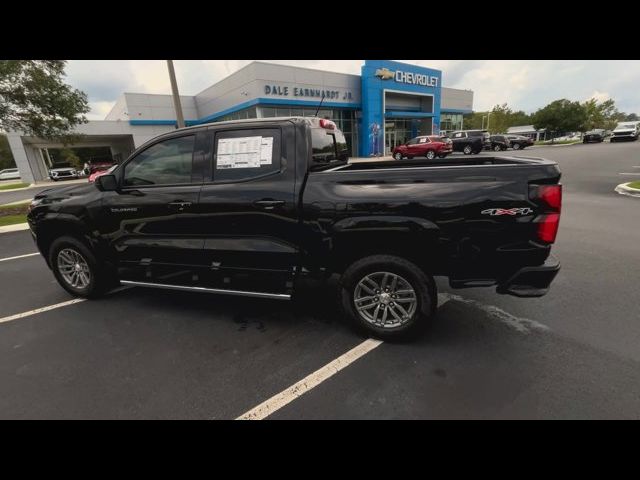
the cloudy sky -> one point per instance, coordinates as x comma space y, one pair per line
523, 84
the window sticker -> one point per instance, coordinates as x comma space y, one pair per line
266, 151
244, 152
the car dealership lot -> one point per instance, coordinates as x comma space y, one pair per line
156, 354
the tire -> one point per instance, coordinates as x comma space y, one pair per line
516, 146
497, 148
406, 318
94, 282
397, 156
431, 155
612, 140
467, 150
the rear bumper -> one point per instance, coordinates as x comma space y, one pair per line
531, 281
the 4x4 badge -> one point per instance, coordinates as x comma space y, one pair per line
507, 211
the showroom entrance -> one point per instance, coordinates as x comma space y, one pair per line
398, 131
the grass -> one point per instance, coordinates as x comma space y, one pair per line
12, 214
634, 185
11, 186
12, 220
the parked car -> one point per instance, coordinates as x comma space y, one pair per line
470, 141
499, 143
9, 174
429, 146
625, 131
595, 135
518, 142
97, 173
249, 207
60, 171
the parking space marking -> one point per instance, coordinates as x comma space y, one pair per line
18, 316
309, 382
298, 389
19, 256
29, 313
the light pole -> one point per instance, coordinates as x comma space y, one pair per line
176, 96
488, 118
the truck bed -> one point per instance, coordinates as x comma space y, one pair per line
445, 162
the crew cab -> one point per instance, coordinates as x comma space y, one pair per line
249, 207
625, 131
470, 141
429, 146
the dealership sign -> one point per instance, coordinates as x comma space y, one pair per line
407, 77
286, 91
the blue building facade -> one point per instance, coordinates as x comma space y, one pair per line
399, 100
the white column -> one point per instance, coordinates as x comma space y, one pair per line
20, 156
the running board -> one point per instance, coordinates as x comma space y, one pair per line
242, 293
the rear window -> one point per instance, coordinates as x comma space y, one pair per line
327, 147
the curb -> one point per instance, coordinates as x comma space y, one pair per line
14, 228
623, 189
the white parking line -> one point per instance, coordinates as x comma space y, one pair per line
18, 316
309, 382
29, 313
19, 256
634, 174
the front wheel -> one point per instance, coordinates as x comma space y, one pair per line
431, 155
516, 146
76, 268
497, 148
397, 156
387, 296
467, 150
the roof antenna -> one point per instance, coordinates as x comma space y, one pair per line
318, 109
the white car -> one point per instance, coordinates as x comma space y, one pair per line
9, 174
626, 131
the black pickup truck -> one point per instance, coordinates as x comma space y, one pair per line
249, 207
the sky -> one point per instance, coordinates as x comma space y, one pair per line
522, 84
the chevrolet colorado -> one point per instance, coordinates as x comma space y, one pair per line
248, 207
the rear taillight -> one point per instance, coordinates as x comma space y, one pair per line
328, 124
548, 227
549, 197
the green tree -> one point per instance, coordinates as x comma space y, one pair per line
600, 115
35, 100
473, 121
6, 157
560, 116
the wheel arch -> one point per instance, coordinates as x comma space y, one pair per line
412, 238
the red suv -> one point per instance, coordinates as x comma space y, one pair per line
428, 146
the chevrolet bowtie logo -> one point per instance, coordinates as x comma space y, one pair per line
384, 73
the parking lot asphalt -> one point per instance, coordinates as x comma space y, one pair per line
141, 353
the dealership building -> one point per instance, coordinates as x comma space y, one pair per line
388, 104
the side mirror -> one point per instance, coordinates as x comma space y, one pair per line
107, 183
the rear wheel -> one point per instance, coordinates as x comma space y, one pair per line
516, 146
387, 296
431, 155
77, 270
497, 148
397, 156
467, 150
